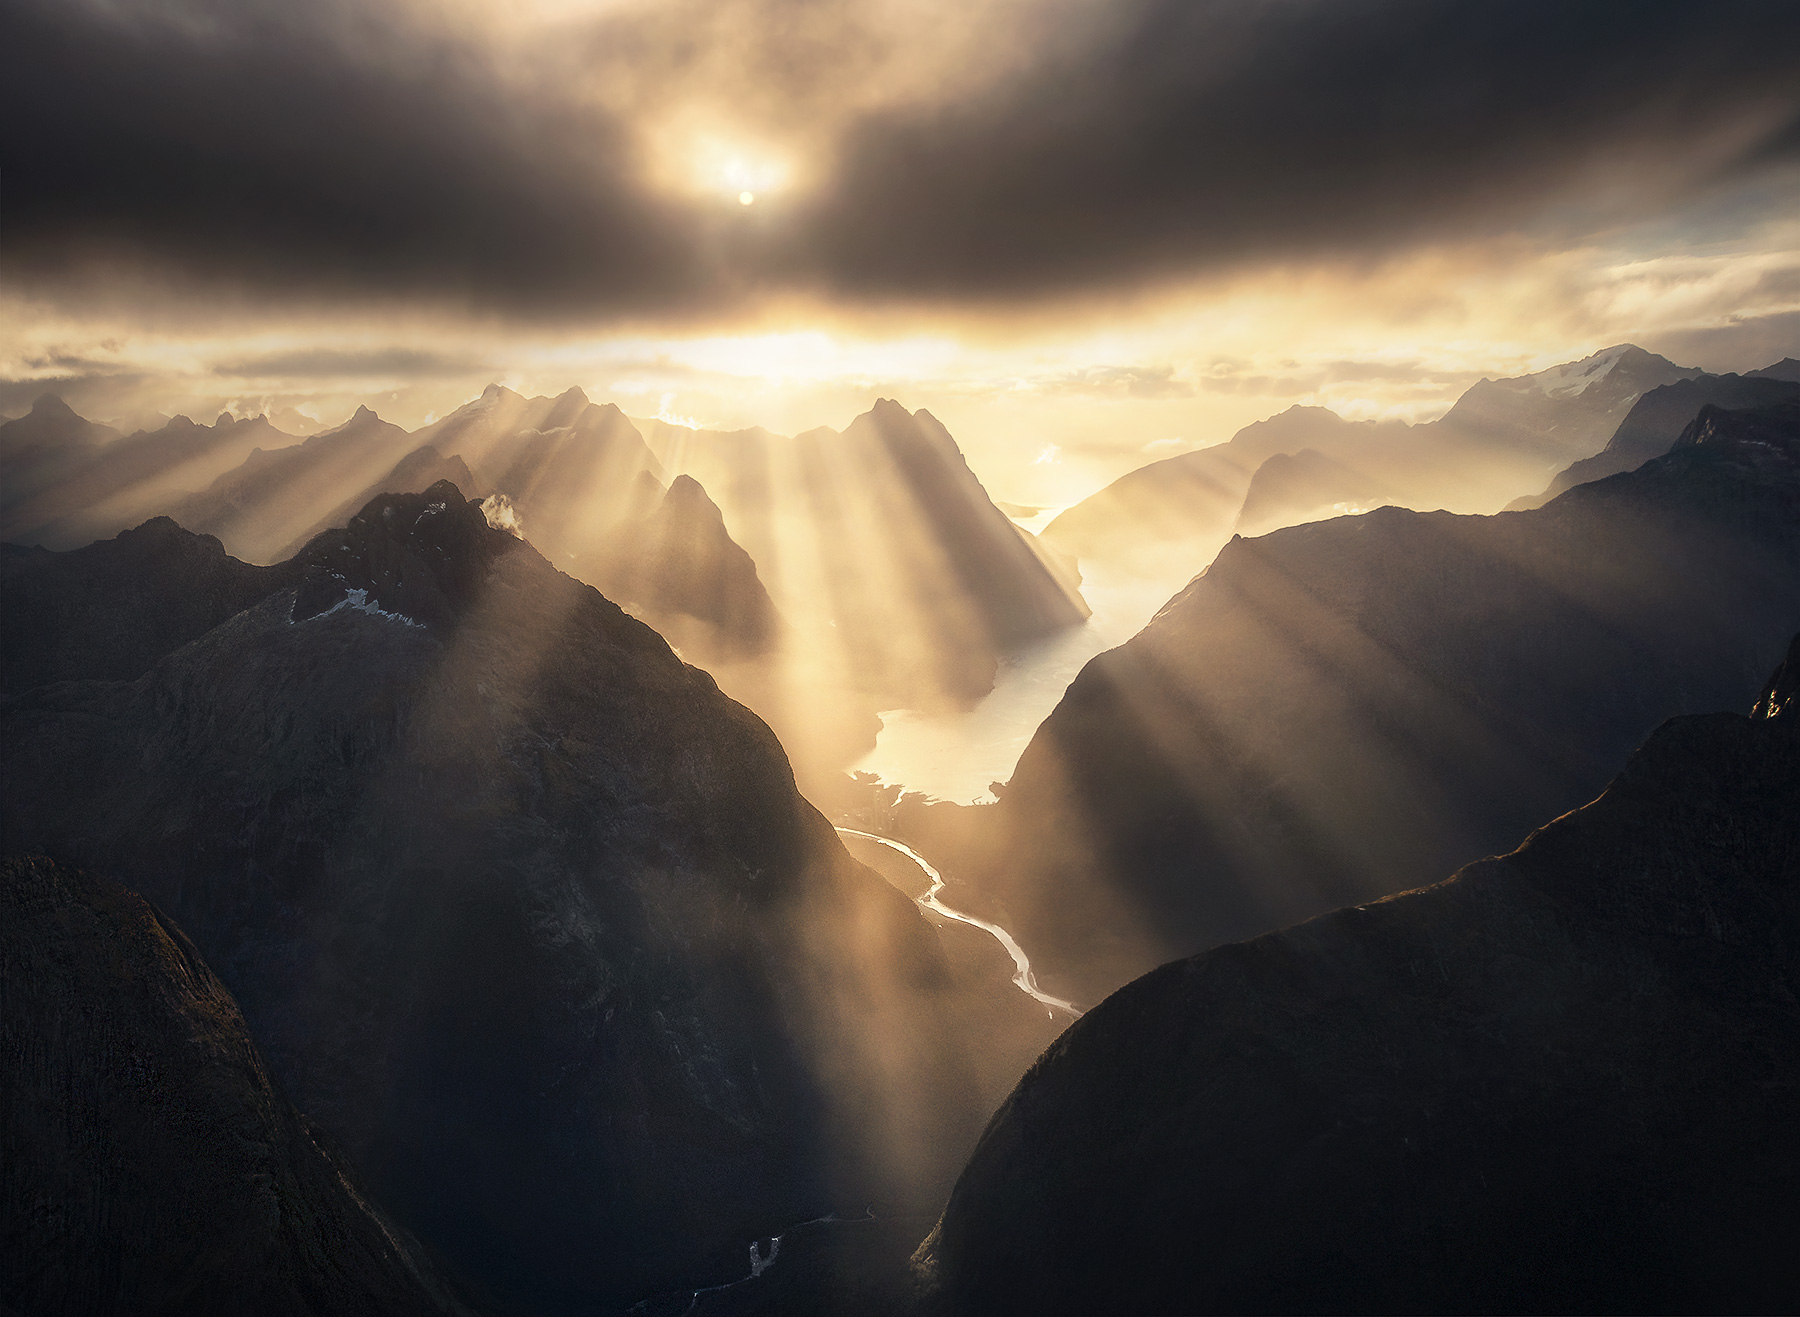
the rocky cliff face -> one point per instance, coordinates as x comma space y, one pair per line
521, 910
151, 1165
1657, 419
1350, 708
1561, 1081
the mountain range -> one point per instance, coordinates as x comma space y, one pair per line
1340, 710
890, 580
1501, 440
413, 900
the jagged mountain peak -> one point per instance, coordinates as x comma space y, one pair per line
412, 558
50, 405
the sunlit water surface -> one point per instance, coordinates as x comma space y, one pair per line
957, 756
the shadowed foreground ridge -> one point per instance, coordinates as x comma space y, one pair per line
1564, 1080
520, 909
149, 1164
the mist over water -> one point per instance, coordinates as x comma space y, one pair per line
958, 756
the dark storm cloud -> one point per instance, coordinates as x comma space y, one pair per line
332, 363
1200, 133
320, 149
314, 148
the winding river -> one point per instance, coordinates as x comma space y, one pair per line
1022, 975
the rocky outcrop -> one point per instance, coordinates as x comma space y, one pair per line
151, 1165
520, 909
1345, 709
1562, 1081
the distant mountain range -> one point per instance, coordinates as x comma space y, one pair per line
1502, 439
520, 910
1341, 710
1562, 1081
899, 583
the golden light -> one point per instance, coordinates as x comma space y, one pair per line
745, 198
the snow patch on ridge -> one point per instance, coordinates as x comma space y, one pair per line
359, 601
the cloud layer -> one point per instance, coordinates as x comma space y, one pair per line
331, 149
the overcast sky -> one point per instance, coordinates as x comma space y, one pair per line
1081, 232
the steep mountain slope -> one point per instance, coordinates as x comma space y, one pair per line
521, 910
1168, 519
1562, 1081
1345, 709
679, 566
261, 506
882, 548
1656, 421
112, 609
150, 1164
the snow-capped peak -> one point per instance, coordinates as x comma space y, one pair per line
1572, 378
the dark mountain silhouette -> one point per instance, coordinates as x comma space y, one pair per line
679, 567
524, 913
1562, 1081
42, 447
1171, 517
413, 474
1345, 709
150, 1165
259, 507
111, 610
128, 480
1656, 421
585, 489
1785, 369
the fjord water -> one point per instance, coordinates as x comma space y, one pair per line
957, 755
